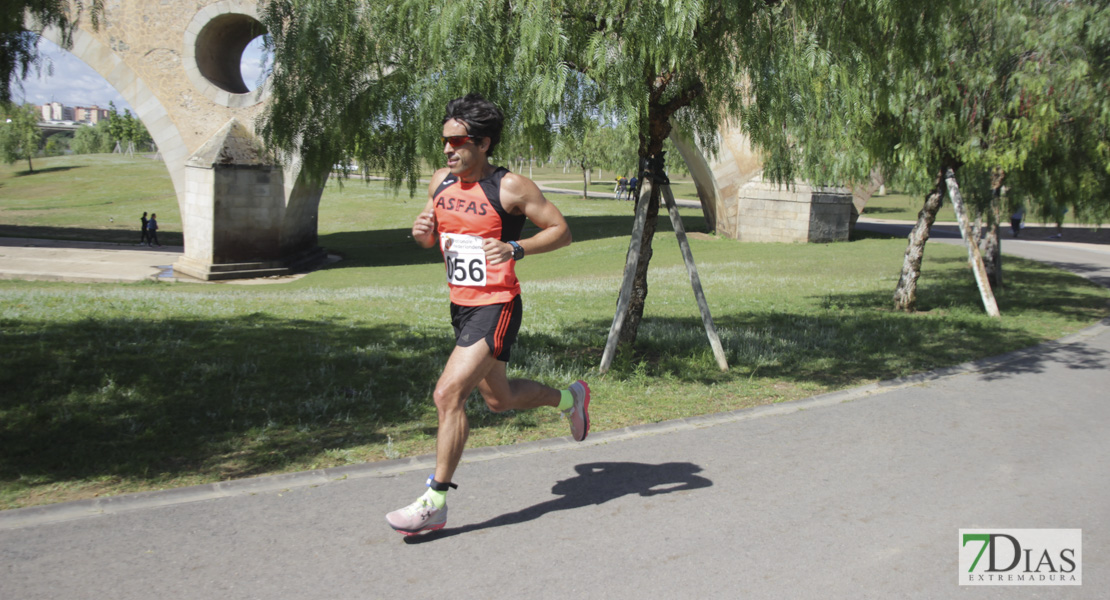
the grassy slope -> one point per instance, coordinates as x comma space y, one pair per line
88, 197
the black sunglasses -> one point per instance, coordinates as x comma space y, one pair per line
458, 140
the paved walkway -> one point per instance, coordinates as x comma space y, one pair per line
100, 262
60, 260
1088, 258
856, 494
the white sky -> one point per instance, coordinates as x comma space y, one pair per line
74, 83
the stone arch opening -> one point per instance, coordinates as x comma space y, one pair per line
167, 137
219, 50
256, 59
242, 215
212, 52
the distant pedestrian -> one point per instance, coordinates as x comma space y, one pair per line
144, 237
622, 186
1059, 215
632, 183
1016, 219
152, 230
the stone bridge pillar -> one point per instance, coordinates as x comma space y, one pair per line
739, 204
177, 63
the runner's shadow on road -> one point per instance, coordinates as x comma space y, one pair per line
596, 483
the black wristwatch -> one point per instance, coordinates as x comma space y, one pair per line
518, 252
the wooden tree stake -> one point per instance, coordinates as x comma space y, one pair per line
973, 255
633, 260
695, 281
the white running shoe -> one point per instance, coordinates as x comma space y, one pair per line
419, 517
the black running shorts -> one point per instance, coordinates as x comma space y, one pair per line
498, 324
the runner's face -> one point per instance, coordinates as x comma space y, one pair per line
468, 160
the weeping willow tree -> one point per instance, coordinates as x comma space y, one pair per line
1006, 90
1071, 167
365, 82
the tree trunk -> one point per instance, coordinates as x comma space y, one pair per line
640, 281
627, 326
585, 182
973, 257
977, 228
30, 167
905, 295
992, 256
992, 245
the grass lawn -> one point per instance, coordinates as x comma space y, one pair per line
682, 186
97, 197
112, 388
897, 206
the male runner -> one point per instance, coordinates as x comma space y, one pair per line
475, 213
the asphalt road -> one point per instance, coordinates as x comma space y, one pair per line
856, 494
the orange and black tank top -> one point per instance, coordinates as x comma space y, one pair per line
466, 212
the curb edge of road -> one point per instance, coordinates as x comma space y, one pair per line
80, 509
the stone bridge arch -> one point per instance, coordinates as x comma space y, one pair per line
177, 65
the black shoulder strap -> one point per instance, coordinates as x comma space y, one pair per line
511, 225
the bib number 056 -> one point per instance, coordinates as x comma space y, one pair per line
465, 259
461, 271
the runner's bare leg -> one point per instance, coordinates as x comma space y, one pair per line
467, 368
501, 393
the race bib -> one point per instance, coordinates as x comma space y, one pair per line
466, 261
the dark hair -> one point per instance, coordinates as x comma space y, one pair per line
481, 117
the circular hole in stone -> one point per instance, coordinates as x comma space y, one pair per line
254, 63
220, 49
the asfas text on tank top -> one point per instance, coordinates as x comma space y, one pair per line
465, 214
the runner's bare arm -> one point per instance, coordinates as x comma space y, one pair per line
520, 195
424, 228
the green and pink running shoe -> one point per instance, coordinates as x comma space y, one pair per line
579, 413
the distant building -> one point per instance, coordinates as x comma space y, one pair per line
59, 112
90, 114
56, 111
